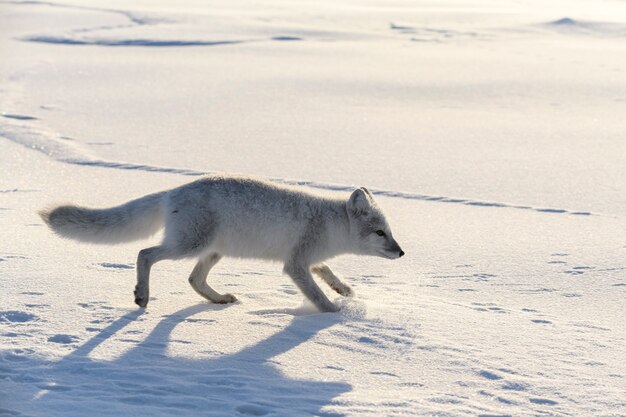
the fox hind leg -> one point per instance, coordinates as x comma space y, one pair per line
146, 258
326, 274
198, 276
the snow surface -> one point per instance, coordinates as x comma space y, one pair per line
491, 131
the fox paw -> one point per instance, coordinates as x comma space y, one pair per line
141, 299
226, 299
344, 290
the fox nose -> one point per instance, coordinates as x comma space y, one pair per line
401, 254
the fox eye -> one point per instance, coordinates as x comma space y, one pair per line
380, 233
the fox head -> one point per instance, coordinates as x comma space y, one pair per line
369, 230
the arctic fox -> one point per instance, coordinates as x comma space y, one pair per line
243, 217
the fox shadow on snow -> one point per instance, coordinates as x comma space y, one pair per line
242, 383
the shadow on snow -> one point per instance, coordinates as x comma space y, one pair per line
146, 381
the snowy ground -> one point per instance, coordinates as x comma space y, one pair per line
492, 132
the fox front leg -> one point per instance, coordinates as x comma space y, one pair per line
304, 280
325, 273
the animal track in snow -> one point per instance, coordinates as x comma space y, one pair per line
489, 375
204, 321
14, 316
53, 148
489, 307
430, 34
64, 339
36, 305
542, 401
95, 305
571, 295
9, 257
31, 293
514, 386
483, 276
383, 373
537, 290
116, 265
18, 116
590, 326
579, 270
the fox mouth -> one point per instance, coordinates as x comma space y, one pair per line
385, 254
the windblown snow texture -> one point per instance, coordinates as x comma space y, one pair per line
509, 300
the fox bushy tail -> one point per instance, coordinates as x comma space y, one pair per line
134, 220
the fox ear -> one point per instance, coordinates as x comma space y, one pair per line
359, 202
366, 191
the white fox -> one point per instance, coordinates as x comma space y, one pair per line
243, 217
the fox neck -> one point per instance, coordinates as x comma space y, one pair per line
339, 238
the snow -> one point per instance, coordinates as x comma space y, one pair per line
491, 133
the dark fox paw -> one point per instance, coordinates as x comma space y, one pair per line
141, 300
